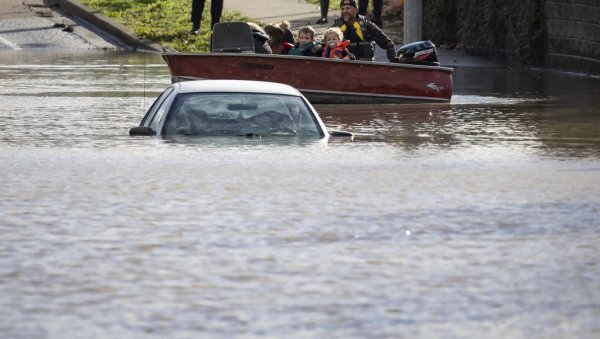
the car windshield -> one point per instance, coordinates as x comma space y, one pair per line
240, 114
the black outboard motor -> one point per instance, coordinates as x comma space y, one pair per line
418, 53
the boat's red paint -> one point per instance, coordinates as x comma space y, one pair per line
321, 80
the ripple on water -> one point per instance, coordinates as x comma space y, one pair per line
469, 219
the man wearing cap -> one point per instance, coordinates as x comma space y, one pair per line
362, 33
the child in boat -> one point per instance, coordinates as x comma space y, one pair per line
335, 47
306, 44
276, 39
288, 36
261, 39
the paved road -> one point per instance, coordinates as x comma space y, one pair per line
31, 24
299, 13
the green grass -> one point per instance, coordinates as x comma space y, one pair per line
166, 22
333, 4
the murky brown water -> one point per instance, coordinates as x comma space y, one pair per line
476, 218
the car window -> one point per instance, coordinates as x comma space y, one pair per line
240, 114
149, 117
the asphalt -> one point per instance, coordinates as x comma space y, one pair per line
300, 13
62, 24
69, 24
297, 12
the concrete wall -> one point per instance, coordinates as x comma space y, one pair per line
572, 35
557, 34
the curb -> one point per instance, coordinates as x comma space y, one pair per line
74, 8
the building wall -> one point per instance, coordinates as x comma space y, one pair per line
557, 34
572, 35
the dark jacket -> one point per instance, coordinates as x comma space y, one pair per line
261, 43
288, 36
364, 48
305, 50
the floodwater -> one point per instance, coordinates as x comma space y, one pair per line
478, 218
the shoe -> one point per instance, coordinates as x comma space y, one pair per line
195, 30
322, 21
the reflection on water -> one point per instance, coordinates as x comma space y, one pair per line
469, 219
546, 127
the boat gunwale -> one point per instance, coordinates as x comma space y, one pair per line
316, 59
394, 97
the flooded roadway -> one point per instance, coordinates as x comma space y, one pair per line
476, 218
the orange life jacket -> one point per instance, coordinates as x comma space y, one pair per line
339, 52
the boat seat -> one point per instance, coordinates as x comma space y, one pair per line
232, 37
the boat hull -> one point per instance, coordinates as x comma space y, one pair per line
322, 81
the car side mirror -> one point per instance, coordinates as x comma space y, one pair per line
341, 134
141, 130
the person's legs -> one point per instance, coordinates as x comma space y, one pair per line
216, 10
324, 11
362, 7
377, 6
197, 9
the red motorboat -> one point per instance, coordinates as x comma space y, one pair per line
321, 80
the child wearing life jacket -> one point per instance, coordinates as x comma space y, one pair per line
335, 47
305, 43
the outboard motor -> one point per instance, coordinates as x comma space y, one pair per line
418, 53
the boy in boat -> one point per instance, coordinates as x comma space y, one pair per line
306, 44
363, 34
335, 45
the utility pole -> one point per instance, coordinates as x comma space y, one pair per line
413, 12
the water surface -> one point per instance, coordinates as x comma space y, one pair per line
469, 219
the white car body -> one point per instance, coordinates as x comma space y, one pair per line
231, 103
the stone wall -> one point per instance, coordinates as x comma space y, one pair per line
508, 30
572, 35
558, 34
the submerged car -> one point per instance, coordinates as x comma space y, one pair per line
232, 108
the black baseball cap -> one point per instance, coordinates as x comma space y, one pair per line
348, 3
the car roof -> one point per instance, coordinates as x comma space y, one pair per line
237, 86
